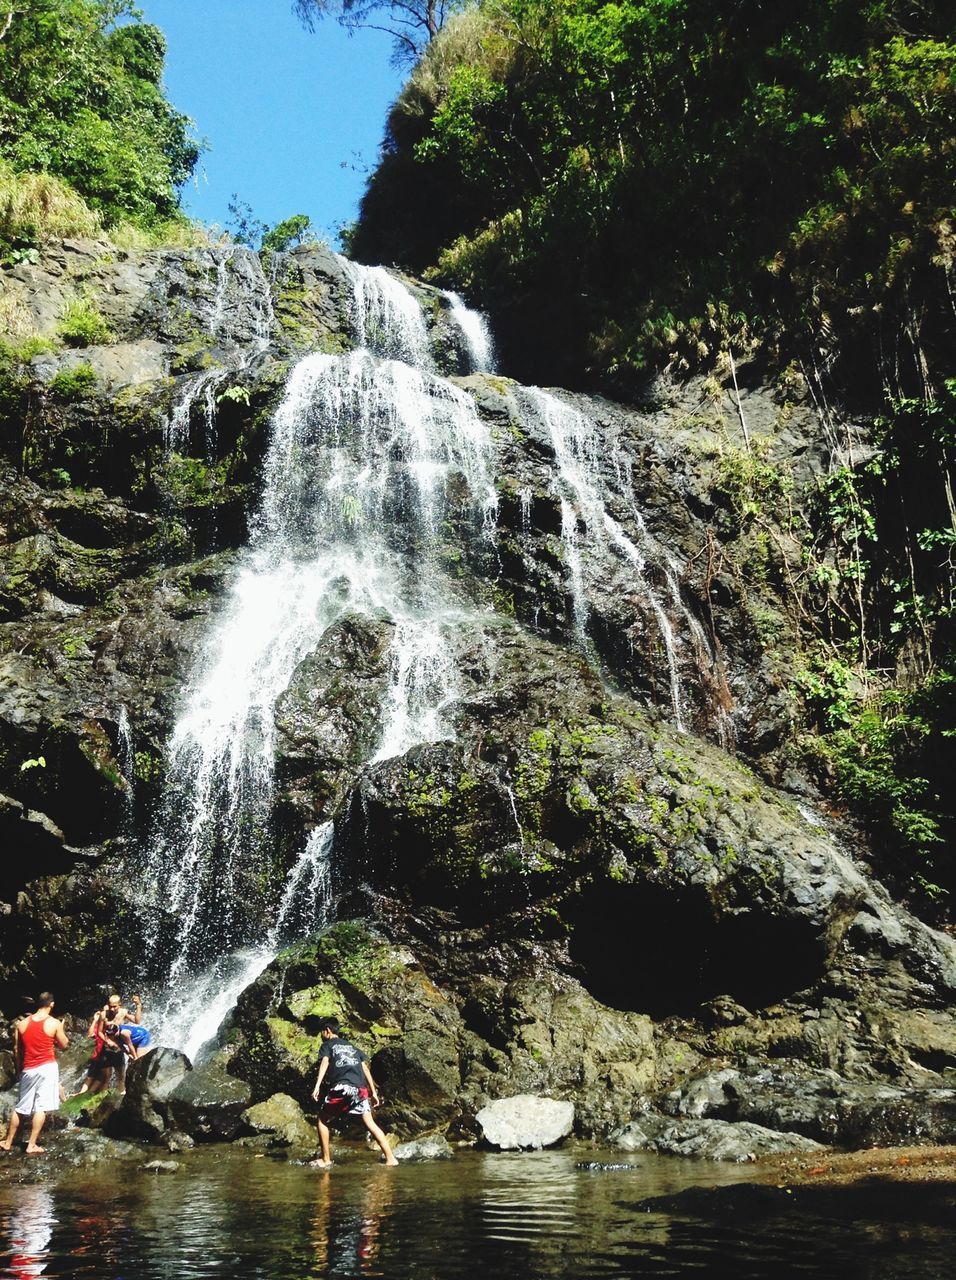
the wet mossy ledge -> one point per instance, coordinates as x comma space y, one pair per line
574, 897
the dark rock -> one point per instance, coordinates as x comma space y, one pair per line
150, 1083
708, 1139
208, 1104
823, 1106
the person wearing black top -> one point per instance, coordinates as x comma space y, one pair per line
347, 1090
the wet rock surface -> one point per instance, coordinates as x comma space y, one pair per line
822, 1105
434, 1147
708, 1139
278, 1122
574, 897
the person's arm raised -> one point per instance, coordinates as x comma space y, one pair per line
62, 1039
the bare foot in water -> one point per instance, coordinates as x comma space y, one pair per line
35, 1151
5, 1146
320, 1164
391, 1163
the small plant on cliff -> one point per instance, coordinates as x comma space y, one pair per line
287, 234
238, 395
75, 383
82, 325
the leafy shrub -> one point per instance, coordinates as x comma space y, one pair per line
891, 756
81, 99
74, 383
81, 324
288, 233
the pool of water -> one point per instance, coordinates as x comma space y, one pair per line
226, 1213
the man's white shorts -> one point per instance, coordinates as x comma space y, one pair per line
39, 1089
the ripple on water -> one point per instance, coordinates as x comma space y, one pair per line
520, 1217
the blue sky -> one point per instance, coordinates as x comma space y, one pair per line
281, 108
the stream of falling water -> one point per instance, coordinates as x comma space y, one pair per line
354, 501
247, 282
582, 491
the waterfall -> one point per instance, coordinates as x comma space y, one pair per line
475, 331
580, 485
194, 1012
371, 460
252, 293
362, 449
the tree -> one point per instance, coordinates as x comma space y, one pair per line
411, 23
81, 98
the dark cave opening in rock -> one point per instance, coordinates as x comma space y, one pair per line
655, 951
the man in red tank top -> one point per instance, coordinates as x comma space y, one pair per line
38, 1092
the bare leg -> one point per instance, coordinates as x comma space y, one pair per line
326, 1158
379, 1137
39, 1117
7, 1143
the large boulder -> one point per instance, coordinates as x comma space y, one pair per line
150, 1081
278, 1122
166, 1095
208, 1104
707, 1139
525, 1123
407, 1026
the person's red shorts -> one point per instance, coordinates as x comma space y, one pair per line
345, 1100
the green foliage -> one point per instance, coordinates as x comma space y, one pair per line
22, 352
288, 233
82, 100
749, 483
81, 324
74, 384
891, 756
193, 482
670, 178
237, 394
245, 228
352, 513
38, 762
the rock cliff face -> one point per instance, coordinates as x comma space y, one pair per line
599, 875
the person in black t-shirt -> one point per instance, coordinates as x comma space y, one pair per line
347, 1090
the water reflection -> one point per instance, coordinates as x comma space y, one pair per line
348, 1235
537, 1217
28, 1230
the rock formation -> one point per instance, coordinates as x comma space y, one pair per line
598, 877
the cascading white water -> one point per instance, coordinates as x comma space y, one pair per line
354, 495
476, 332
387, 315
582, 490
196, 1006
371, 455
